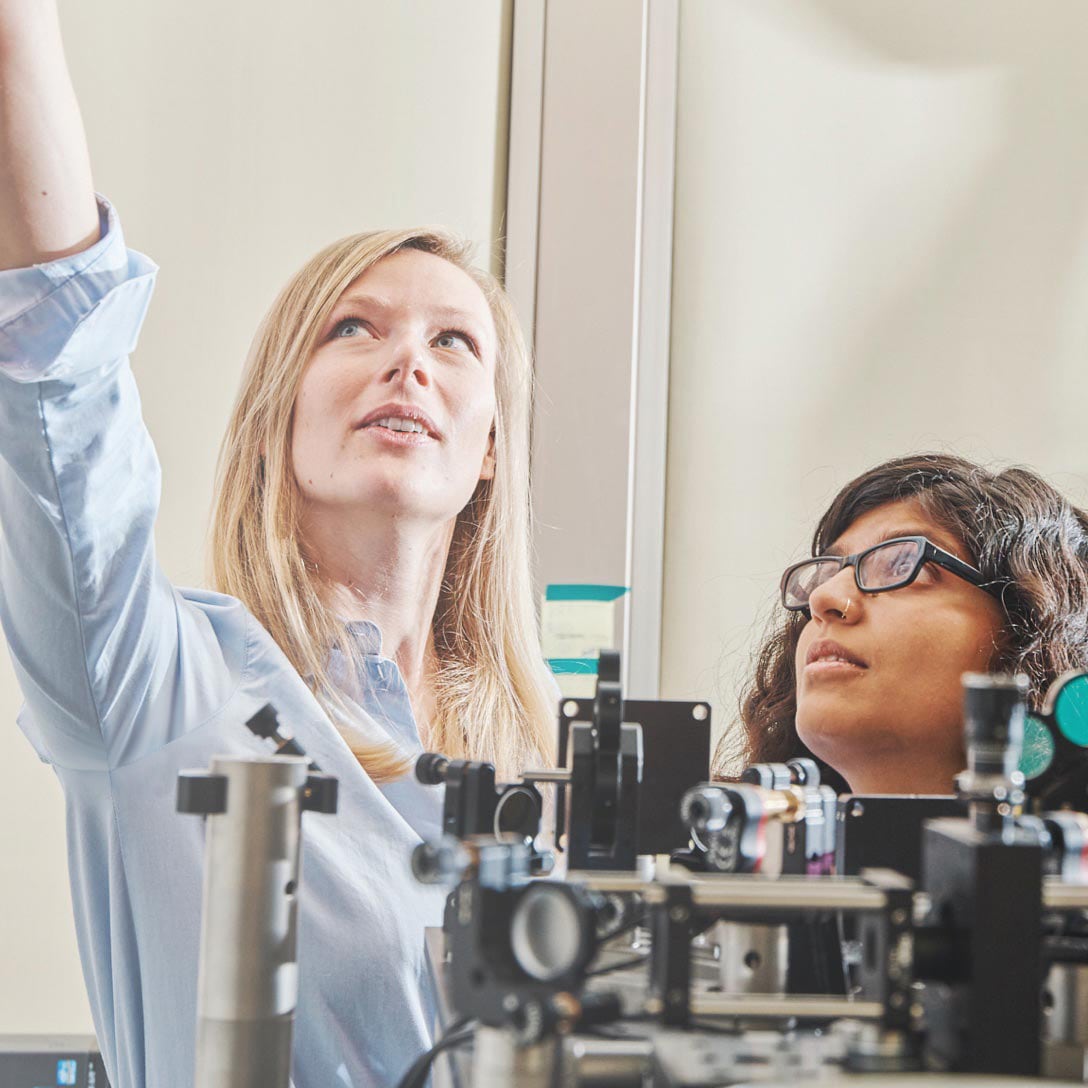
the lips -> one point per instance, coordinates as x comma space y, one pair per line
400, 411
827, 651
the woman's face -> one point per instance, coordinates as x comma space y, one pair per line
395, 409
879, 693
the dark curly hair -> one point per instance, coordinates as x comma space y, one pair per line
1018, 530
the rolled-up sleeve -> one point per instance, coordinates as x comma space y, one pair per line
62, 318
95, 630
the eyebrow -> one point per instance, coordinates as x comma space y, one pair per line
362, 300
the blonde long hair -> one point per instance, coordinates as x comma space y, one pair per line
492, 695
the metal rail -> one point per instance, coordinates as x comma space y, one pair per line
797, 1006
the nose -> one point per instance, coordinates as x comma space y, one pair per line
838, 598
409, 363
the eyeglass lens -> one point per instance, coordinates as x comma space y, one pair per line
888, 565
804, 581
885, 566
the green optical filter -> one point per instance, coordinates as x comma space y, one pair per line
1071, 710
1038, 753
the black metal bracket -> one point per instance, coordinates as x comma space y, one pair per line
321, 793
670, 955
201, 793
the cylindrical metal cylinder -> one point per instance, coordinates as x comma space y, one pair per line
248, 979
771, 776
994, 707
559, 775
1067, 1012
705, 808
1060, 896
993, 727
785, 1007
607, 1063
498, 1061
753, 959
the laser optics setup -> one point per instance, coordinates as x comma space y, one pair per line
675, 932
784, 932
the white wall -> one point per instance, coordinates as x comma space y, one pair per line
236, 139
881, 245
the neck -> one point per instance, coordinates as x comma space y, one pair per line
388, 571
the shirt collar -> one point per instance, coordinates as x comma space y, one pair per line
367, 635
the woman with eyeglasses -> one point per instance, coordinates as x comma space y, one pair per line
922, 569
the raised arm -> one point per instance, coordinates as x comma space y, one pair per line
47, 207
112, 660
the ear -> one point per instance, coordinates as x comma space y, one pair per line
487, 469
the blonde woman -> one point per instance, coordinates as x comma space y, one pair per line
370, 548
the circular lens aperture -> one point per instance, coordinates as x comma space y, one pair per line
548, 932
1038, 752
1071, 710
517, 814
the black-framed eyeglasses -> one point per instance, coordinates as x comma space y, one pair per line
891, 564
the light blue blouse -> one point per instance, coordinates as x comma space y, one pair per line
128, 680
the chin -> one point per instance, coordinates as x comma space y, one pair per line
831, 713
831, 737
399, 495
396, 495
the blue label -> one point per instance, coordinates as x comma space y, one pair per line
66, 1071
585, 666
583, 592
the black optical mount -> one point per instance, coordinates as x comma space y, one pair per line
519, 948
475, 805
606, 773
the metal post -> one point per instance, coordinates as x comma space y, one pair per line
753, 958
248, 979
500, 1061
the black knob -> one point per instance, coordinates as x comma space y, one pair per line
431, 768
705, 808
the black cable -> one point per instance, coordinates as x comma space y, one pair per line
712, 1028
607, 1031
621, 965
627, 927
416, 1076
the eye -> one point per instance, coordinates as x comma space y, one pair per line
348, 328
901, 563
887, 565
454, 340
